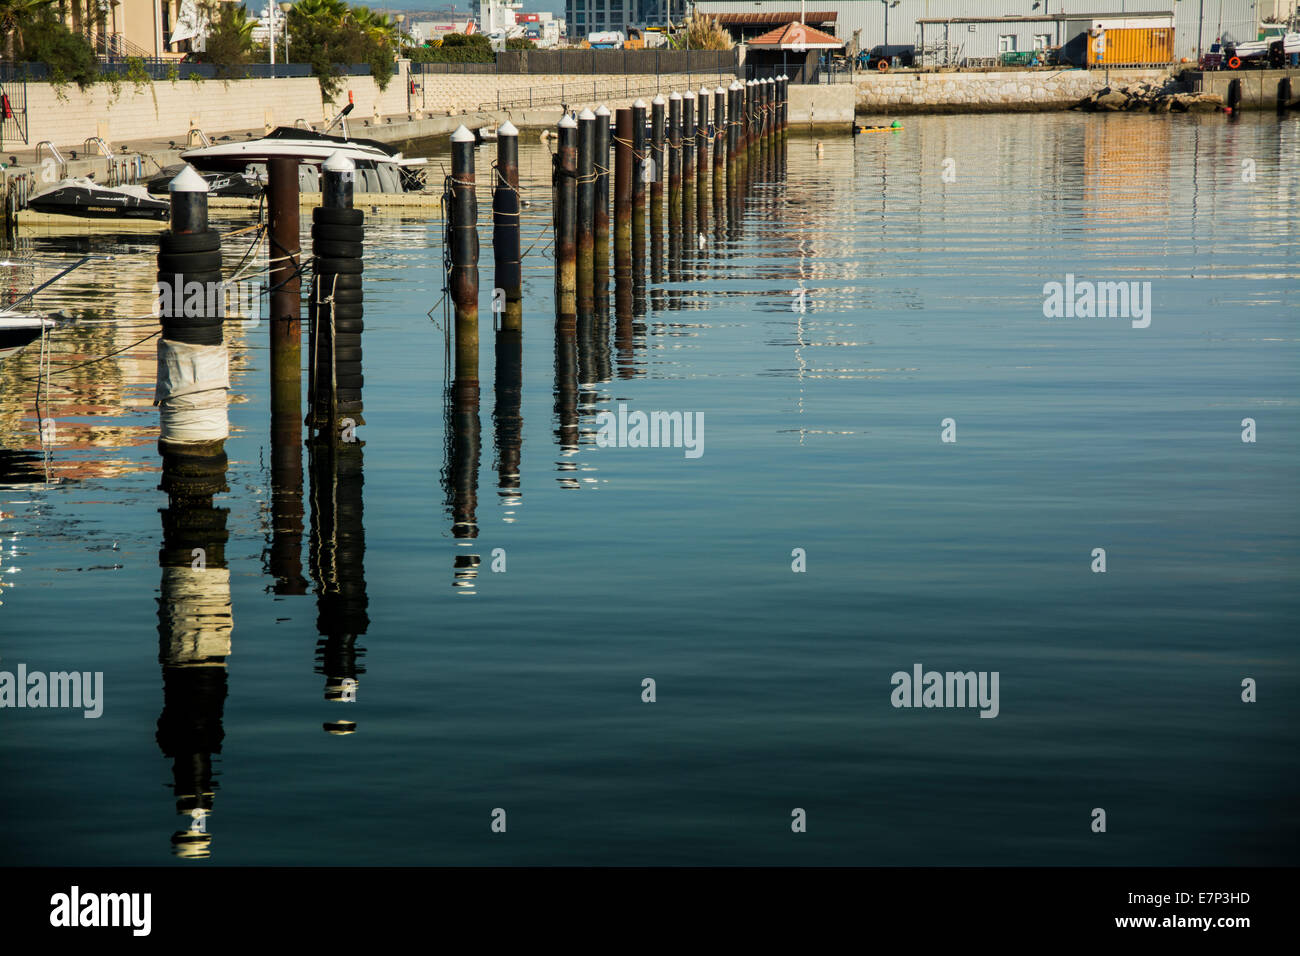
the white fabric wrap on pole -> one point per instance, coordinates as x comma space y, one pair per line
191, 395
196, 621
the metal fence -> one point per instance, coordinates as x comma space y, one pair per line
594, 62
590, 92
801, 72
13, 106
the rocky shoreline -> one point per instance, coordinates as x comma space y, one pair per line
1171, 97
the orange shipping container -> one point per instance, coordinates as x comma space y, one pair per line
1135, 46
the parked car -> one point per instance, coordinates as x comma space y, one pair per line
903, 53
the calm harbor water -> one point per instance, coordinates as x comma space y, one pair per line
922, 300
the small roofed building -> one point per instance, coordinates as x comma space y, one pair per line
744, 27
794, 50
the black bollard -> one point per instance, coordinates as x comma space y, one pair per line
505, 221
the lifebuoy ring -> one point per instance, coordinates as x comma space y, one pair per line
1234, 63
882, 65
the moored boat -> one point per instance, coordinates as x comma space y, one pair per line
19, 329
86, 199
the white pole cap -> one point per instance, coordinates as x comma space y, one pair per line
507, 129
675, 95
586, 114
688, 95
602, 110
659, 100
568, 122
462, 135
639, 105
188, 181
338, 163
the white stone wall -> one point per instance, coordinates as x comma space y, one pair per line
1009, 91
163, 110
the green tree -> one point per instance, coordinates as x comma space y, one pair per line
15, 17
44, 39
229, 43
330, 35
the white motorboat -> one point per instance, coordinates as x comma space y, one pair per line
19, 329
1254, 48
380, 167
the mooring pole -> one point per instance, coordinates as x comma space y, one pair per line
623, 122
286, 293
464, 256
335, 306
733, 121
702, 136
566, 217
639, 156
505, 225
657, 107
601, 229
688, 138
719, 128
586, 210
674, 146
751, 114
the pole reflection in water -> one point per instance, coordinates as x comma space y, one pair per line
337, 559
566, 398
194, 630
460, 477
507, 418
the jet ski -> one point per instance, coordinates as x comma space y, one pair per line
247, 185
86, 199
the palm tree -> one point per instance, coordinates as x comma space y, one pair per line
14, 15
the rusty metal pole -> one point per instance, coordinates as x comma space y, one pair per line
286, 294
719, 129
639, 156
688, 139
674, 146
657, 149
566, 217
623, 169
702, 136
464, 256
601, 228
586, 210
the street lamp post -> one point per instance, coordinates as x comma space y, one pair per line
285, 8
888, 4
399, 19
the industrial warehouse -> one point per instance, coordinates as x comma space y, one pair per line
962, 33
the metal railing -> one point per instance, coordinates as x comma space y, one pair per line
52, 154
594, 63
97, 142
594, 91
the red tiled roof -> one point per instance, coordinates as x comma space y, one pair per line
797, 35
